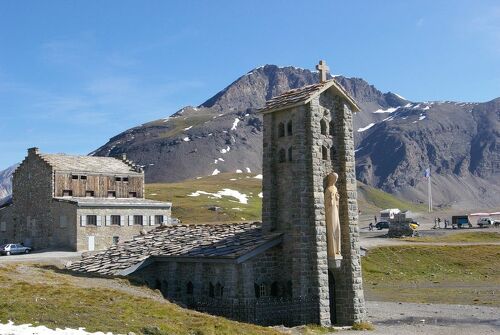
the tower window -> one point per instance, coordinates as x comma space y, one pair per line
332, 132
281, 129
189, 288
324, 153
289, 128
282, 156
324, 127
263, 290
290, 154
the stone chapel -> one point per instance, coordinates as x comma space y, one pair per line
279, 271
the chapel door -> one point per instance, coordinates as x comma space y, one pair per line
331, 290
91, 240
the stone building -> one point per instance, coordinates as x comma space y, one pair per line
277, 272
77, 203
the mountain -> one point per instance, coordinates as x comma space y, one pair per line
6, 183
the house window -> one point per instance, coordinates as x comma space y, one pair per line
282, 156
323, 127
116, 239
125, 179
138, 220
281, 129
89, 193
74, 177
289, 128
118, 179
91, 220
115, 220
83, 177
132, 194
158, 219
324, 153
263, 290
111, 194
67, 193
189, 288
290, 154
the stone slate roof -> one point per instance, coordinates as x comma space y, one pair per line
224, 241
91, 164
303, 95
113, 202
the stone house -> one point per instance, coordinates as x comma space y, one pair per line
80, 203
277, 271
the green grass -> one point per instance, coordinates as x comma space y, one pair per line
51, 299
459, 237
195, 209
372, 199
437, 274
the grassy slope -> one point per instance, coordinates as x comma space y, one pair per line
459, 237
195, 209
54, 300
436, 274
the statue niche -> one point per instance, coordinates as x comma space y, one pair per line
332, 217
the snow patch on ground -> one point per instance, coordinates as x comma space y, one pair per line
186, 139
223, 151
388, 110
28, 329
188, 128
235, 123
360, 130
259, 176
220, 159
421, 117
216, 172
241, 197
260, 195
400, 96
426, 108
239, 171
248, 170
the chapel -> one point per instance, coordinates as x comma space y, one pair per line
301, 265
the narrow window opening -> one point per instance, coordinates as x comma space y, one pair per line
83, 177
189, 288
67, 193
263, 290
282, 156
324, 127
125, 179
89, 193
115, 220
132, 194
290, 158
324, 153
118, 179
289, 128
111, 194
74, 177
116, 239
281, 130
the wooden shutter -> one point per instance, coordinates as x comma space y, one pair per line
107, 221
83, 220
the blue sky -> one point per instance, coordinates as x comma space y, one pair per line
75, 73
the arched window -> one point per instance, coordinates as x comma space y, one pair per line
274, 289
263, 290
281, 129
324, 153
332, 131
333, 153
211, 290
282, 156
189, 288
290, 154
219, 290
324, 127
289, 128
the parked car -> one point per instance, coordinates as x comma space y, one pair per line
382, 224
485, 222
12, 249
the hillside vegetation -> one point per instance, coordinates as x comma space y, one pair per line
192, 207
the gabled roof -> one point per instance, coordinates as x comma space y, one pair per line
183, 243
90, 164
114, 202
304, 95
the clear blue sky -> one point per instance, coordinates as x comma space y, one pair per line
75, 73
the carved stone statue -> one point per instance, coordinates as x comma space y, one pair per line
332, 217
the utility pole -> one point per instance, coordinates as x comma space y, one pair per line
429, 188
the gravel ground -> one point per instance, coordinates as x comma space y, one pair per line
392, 318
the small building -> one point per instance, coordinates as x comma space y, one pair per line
80, 203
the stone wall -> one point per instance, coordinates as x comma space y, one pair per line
6, 226
104, 232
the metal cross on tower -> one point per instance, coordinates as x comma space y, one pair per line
323, 70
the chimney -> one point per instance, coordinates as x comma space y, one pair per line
33, 151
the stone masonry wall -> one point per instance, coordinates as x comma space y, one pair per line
104, 231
